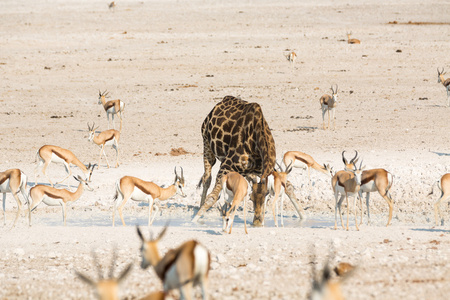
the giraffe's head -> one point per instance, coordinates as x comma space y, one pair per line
259, 192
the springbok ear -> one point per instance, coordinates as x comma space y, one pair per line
326, 274
163, 232
289, 168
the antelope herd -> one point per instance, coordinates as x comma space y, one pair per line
352, 181
187, 266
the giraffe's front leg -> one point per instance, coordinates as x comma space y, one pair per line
212, 198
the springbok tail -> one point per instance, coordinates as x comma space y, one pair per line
116, 195
432, 187
36, 157
199, 185
390, 183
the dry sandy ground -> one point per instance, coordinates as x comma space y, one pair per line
171, 61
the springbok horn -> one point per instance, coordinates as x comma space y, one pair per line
289, 168
97, 265
113, 263
281, 169
354, 159
343, 158
176, 175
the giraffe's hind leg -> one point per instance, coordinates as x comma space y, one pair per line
209, 159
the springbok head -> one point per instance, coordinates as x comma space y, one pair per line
83, 182
329, 169
102, 95
334, 93
440, 75
89, 171
92, 131
179, 182
106, 288
357, 172
149, 248
324, 287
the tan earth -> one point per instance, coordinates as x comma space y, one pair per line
171, 62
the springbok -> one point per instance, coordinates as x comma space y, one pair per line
12, 181
326, 287
235, 190
105, 138
276, 184
352, 41
302, 160
112, 6
445, 83
444, 186
373, 180
112, 107
348, 183
181, 268
136, 189
291, 57
48, 153
106, 288
54, 197
328, 104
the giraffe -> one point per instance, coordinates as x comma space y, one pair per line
236, 133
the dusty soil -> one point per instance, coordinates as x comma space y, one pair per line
170, 62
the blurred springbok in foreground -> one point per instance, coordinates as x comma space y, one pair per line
181, 268
106, 288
